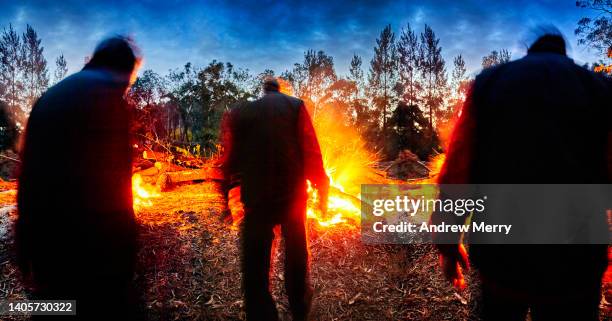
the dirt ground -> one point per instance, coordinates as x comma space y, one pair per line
352, 281
189, 268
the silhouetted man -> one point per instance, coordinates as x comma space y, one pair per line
76, 233
539, 119
8, 128
271, 151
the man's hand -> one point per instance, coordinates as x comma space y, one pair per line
453, 260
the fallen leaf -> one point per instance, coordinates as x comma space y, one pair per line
351, 301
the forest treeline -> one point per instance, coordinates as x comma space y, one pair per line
404, 97
395, 101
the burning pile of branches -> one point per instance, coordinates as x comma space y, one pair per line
348, 163
157, 172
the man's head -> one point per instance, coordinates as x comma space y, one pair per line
118, 54
548, 40
270, 84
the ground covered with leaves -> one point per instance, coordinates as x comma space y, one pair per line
189, 267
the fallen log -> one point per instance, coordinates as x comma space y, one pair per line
140, 164
168, 167
167, 179
156, 156
181, 160
149, 171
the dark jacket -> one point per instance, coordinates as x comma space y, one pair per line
271, 149
539, 119
75, 199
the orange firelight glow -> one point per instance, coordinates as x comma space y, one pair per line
348, 164
142, 193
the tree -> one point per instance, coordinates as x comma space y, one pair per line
61, 68
357, 103
35, 77
256, 87
597, 32
183, 101
150, 113
356, 75
410, 130
382, 77
363, 119
312, 78
433, 73
408, 51
196, 101
340, 97
458, 78
460, 85
218, 89
11, 62
147, 89
145, 95
496, 58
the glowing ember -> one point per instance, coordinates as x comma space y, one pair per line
142, 193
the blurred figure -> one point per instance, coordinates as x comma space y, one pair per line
8, 129
539, 119
271, 150
76, 233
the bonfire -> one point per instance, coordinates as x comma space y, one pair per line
347, 162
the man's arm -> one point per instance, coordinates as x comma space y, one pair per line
456, 170
25, 192
313, 160
229, 164
459, 157
23, 226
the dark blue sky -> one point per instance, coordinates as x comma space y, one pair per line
261, 34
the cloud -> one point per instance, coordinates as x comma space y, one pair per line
268, 34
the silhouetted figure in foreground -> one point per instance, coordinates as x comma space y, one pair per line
540, 119
271, 150
8, 129
76, 233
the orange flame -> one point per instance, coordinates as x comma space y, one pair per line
142, 193
340, 208
348, 165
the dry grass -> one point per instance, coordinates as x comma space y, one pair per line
189, 268
352, 281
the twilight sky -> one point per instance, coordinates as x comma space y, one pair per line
274, 34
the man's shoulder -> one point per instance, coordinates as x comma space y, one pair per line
525, 68
82, 88
294, 100
280, 97
78, 82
